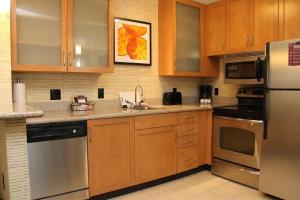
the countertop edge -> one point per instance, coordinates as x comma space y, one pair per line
132, 113
21, 115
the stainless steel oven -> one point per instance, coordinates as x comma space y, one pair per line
238, 140
244, 70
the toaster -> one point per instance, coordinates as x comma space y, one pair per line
172, 98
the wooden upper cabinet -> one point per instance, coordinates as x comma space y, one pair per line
250, 24
62, 36
38, 35
264, 23
181, 35
110, 154
237, 25
216, 28
90, 36
289, 19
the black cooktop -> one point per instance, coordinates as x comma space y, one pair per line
240, 111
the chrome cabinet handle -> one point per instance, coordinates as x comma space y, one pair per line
189, 142
188, 130
188, 160
251, 40
189, 118
248, 40
70, 58
64, 58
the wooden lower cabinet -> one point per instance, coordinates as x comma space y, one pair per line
128, 151
188, 140
187, 158
205, 137
155, 153
110, 154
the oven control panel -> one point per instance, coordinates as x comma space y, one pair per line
250, 92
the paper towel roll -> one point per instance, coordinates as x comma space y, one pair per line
19, 93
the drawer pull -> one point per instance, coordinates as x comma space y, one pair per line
189, 142
189, 118
188, 130
189, 160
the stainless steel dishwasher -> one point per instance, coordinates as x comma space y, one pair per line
58, 161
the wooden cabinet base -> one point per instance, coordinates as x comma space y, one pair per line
187, 159
110, 154
123, 152
155, 153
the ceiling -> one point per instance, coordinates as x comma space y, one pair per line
205, 1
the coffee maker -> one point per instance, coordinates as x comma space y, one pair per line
205, 96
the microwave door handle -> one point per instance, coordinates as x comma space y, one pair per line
258, 64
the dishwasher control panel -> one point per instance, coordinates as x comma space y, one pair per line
56, 131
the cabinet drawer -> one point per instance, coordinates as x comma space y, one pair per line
188, 129
187, 159
187, 117
155, 121
188, 141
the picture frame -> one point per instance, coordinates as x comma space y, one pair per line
132, 42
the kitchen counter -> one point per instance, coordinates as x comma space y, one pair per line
18, 111
67, 116
60, 112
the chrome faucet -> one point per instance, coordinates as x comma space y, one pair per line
135, 95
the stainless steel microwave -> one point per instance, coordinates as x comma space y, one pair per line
244, 70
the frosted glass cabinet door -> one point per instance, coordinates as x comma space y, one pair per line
90, 34
187, 38
38, 28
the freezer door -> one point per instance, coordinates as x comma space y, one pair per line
280, 160
279, 73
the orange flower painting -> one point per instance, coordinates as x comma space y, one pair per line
132, 42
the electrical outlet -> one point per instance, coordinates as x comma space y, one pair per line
55, 94
216, 91
100, 93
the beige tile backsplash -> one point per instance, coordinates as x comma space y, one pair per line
5, 66
125, 77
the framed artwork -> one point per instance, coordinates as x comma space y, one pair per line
132, 42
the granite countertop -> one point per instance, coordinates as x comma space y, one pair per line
18, 111
60, 112
67, 116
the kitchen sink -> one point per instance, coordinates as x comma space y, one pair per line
144, 108
152, 107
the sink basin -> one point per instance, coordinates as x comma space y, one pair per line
146, 108
142, 108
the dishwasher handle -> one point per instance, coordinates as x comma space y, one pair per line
56, 131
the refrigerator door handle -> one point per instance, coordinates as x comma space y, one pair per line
265, 114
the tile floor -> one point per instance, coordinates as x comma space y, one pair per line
199, 186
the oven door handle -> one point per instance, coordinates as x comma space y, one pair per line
241, 120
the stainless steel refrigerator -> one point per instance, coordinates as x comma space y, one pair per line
280, 160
